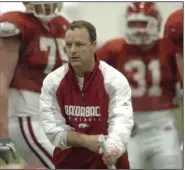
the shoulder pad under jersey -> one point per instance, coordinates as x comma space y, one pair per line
8, 29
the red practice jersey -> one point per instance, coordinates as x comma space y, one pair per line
173, 30
153, 84
41, 51
173, 33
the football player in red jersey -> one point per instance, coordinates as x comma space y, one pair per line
137, 56
31, 46
173, 32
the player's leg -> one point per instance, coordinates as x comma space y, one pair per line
135, 153
167, 153
31, 142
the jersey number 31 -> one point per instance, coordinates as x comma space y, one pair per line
140, 77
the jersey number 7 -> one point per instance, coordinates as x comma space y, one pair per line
51, 45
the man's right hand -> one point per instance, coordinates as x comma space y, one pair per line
92, 142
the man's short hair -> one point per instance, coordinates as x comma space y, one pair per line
84, 24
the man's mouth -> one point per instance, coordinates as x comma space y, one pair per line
74, 58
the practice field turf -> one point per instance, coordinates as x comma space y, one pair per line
179, 118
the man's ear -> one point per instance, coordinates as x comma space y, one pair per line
94, 46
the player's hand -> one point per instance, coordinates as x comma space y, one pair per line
110, 156
92, 143
6, 150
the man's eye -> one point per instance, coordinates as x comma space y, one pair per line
79, 44
68, 45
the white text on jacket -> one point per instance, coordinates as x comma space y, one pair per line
81, 111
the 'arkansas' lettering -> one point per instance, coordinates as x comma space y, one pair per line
80, 111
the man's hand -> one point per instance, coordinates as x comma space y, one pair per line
110, 156
92, 143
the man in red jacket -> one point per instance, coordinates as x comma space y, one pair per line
82, 100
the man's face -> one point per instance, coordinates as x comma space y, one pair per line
80, 50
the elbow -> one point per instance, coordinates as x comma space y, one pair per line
56, 133
59, 139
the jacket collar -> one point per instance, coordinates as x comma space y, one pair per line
88, 77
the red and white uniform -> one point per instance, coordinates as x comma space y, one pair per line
102, 106
173, 30
154, 99
41, 51
151, 83
173, 33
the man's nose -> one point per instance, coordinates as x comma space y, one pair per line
73, 48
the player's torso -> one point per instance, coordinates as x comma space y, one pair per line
41, 52
153, 86
86, 110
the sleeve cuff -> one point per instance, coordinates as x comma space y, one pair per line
120, 146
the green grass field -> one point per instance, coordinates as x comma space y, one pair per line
179, 118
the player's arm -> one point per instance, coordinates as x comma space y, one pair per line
58, 132
9, 54
179, 62
53, 122
173, 31
120, 114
